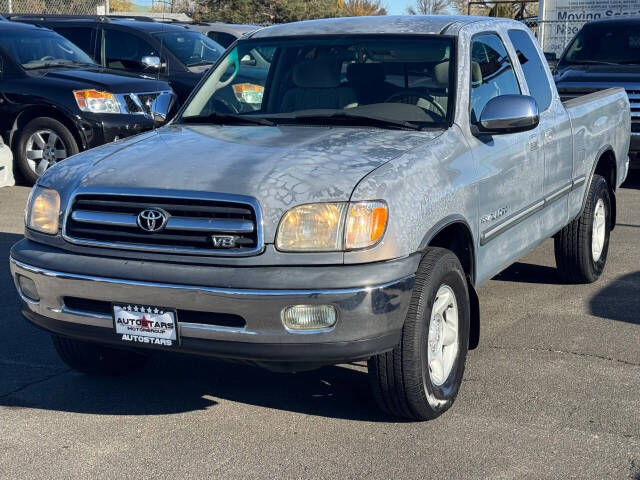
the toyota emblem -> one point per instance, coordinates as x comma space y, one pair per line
152, 220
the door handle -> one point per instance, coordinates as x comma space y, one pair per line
548, 136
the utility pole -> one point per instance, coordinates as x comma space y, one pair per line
106, 7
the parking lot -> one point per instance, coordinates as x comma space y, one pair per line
552, 392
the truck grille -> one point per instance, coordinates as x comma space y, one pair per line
187, 225
634, 101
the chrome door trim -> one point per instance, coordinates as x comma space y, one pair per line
526, 212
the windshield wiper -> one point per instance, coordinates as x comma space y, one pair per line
201, 63
593, 62
228, 118
342, 116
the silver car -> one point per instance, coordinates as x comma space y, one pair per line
345, 205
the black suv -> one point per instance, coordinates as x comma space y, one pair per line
137, 45
55, 101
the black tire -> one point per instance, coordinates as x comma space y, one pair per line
573, 243
41, 123
400, 379
95, 359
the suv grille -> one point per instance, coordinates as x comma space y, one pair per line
139, 103
190, 225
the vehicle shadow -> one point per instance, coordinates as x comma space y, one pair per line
32, 376
633, 180
619, 300
529, 273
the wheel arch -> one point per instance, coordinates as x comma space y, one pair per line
607, 167
47, 111
454, 233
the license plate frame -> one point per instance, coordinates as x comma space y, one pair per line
134, 328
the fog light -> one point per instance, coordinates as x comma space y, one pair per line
28, 288
309, 317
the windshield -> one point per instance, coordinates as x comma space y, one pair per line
191, 48
396, 81
42, 49
605, 43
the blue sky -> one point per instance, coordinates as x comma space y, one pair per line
398, 7
394, 7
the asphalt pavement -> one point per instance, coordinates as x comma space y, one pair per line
553, 391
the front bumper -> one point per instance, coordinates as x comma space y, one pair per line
370, 317
104, 128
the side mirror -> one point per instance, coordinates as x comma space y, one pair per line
151, 62
508, 114
160, 108
248, 60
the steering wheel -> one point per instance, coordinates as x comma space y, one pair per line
45, 58
412, 97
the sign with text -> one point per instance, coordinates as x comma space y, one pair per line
560, 20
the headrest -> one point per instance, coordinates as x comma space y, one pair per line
316, 74
366, 73
476, 73
441, 74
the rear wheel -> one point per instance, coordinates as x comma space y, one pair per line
97, 359
42, 143
421, 377
581, 247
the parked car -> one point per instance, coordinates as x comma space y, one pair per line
172, 53
6, 166
329, 220
603, 54
55, 101
222, 33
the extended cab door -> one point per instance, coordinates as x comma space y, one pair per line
555, 128
511, 166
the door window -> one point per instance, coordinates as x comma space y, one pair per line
124, 51
81, 36
532, 67
491, 72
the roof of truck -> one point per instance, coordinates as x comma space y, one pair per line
383, 24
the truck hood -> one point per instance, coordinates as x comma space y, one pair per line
280, 166
600, 76
106, 80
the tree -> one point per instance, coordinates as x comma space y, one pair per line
361, 8
121, 6
268, 11
430, 7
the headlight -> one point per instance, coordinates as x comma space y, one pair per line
316, 227
43, 210
327, 227
96, 102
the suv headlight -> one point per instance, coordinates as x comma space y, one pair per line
329, 227
95, 101
43, 210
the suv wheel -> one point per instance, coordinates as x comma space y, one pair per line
421, 377
42, 143
97, 359
581, 247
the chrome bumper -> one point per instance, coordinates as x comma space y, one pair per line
364, 313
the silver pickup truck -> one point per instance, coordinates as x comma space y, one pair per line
343, 207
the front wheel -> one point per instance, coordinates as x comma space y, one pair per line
421, 377
581, 247
42, 143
